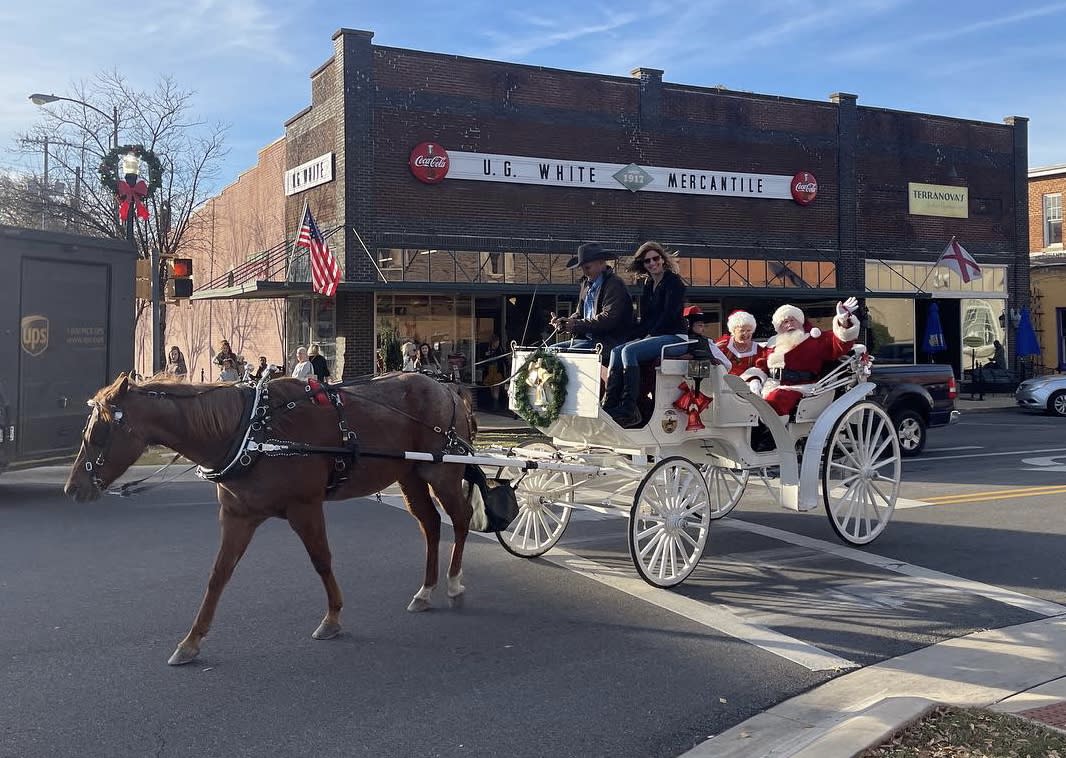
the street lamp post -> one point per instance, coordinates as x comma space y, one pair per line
38, 99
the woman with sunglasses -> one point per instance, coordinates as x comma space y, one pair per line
661, 323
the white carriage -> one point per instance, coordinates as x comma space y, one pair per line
672, 481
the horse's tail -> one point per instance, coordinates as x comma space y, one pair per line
467, 402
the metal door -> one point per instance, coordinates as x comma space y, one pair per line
63, 352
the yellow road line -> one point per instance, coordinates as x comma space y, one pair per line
995, 495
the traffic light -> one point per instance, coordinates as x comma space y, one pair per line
179, 278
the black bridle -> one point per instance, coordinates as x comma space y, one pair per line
98, 435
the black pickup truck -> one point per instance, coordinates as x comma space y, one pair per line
917, 397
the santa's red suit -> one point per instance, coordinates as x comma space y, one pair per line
796, 360
742, 360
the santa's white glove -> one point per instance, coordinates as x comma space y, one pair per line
846, 308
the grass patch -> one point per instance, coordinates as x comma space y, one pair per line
949, 732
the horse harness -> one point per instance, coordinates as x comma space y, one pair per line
255, 441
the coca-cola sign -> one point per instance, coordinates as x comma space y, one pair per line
804, 188
429, 162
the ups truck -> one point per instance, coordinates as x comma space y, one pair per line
66, 329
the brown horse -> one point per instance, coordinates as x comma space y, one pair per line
395, 413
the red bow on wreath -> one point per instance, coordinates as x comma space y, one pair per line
135, 195
693, 402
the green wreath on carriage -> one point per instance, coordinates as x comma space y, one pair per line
544, 376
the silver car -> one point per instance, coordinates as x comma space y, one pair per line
1044, 393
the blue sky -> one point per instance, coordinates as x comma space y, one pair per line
249, 60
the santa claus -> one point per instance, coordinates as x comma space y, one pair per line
743, 351
795, 361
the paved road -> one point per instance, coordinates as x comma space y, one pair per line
568, 655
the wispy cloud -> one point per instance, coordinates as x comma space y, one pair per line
889, 51
518, 43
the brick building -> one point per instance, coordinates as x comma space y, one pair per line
1047, 185
226, 234
471, 182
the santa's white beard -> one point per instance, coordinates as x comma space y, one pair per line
788, 340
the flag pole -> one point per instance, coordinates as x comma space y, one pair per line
936, 263
368, 255
296, 239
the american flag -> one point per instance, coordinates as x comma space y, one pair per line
325, 273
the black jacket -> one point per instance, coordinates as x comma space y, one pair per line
320, 367
613, 320
660, 307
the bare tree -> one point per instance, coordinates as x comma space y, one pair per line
72, 140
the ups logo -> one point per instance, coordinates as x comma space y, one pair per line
35, 334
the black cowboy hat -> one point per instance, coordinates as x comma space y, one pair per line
590, 251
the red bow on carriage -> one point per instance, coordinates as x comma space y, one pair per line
693, 402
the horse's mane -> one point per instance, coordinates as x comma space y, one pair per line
211, 415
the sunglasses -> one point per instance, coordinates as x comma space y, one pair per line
650, 259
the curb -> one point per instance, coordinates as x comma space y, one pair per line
846, 715
868, 728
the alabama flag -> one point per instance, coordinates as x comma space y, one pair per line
961, 262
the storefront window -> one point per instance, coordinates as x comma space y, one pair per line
982, 327
310, 321
889, 333
900, 276
444, 322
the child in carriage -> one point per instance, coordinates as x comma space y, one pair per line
699, 345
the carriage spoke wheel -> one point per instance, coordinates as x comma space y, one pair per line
861, 470
726, 487
543, 508
668, 522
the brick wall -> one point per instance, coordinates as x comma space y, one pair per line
246, 218
1038, 187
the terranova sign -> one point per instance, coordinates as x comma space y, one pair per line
520, 169
938, 200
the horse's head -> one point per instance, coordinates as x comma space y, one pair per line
109, 444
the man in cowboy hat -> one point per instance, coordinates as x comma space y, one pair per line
604, 306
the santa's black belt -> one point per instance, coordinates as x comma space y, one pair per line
789, 376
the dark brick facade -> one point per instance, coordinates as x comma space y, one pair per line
372, 104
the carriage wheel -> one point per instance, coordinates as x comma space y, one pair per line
668, 522
861, 470
726, 486
542, 510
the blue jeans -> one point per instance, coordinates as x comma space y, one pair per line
632, 353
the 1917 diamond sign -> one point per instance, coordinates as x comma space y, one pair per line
633, 177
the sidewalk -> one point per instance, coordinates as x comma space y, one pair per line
990, 403
1019, 669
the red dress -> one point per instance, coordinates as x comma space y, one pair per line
797, 368
741, 361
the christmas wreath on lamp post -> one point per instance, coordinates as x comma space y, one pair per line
544, 376
120, 172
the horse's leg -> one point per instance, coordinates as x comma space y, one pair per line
237, 532
309, 523
420, 504
450, 494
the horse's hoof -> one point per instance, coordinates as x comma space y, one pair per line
457, 601
182, 656
418, 605
327, 631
